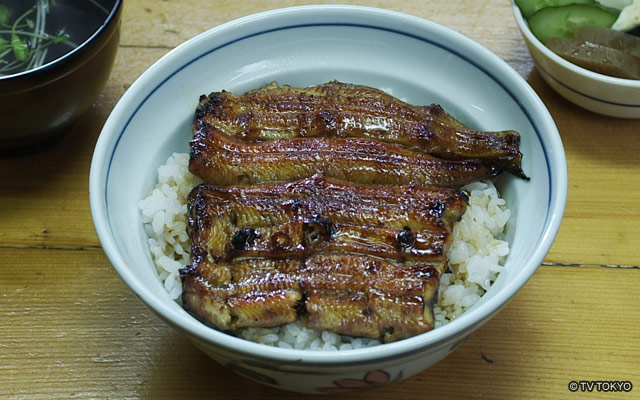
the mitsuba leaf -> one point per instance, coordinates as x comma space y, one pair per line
20, 48
5, 14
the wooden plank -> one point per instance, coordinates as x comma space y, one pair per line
169, 23
71, 328
600, 225
45, 197
161, 23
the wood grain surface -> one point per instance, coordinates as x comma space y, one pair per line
70, 328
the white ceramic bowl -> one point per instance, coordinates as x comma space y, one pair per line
415, 59
595, 92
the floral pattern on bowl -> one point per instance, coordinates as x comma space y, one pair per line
370, 380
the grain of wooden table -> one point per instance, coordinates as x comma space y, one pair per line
70, 328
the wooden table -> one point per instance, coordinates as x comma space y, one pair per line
70, 328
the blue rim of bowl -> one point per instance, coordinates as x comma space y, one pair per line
524, 28
548, 233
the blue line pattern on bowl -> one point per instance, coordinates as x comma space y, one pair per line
541, 68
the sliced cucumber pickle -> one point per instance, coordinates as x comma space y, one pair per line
562, 21
530, 7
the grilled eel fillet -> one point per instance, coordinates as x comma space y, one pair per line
220, 159
337, 110
362, 260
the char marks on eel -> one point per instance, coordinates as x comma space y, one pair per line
354, 259
353, 128
332, 205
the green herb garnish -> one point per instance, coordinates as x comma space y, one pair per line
5, 14
20, 48
24, 41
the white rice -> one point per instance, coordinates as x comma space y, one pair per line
164, 214
476, 255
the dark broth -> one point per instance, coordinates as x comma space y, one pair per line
78, 19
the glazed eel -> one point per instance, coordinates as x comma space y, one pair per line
356, 119
361, 260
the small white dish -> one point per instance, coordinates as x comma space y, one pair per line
595, 92
412, 58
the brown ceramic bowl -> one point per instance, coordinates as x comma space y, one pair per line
38, 105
